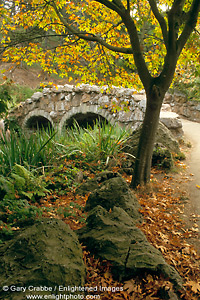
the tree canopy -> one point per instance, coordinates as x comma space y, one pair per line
100, 41
120, 42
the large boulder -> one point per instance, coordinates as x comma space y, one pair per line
114, 192
92, 184
165, 142
163, 136
46, 254
113, 236
173, 122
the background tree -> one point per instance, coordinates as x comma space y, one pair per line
106, 42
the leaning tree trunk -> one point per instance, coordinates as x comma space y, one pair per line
147, 138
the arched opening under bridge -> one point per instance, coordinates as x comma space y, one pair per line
38, 122
85, 120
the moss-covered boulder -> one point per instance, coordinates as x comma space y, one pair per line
162, 157
113, 191
113, 236
164, 138
46, 254
92, 184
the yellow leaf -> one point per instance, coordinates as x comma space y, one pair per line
130, 286
195, 286
107, 275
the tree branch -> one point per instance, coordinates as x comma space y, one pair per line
177, 6
174, 20
189, 25
113, 26
176, 44
137, 52
18, 41
88, 36
115, 5
160, 20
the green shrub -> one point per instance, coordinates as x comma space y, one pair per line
16, 192
18, 211
12, 94
190, 86
14, 213
23, 184
5, 97
21, 93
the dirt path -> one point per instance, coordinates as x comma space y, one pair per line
192, 134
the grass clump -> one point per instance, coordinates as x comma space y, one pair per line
43, 148
95, 144
32, 150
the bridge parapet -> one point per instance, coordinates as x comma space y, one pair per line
56, 106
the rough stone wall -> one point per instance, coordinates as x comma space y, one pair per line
59, 104
183, 107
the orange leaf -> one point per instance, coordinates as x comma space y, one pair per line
195, 286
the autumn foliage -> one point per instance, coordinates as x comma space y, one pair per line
124, 43
90, 39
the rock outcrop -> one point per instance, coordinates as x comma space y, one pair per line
113, 236
163, 136
165, 145
173, 122
111, 233
47, 253
114, 192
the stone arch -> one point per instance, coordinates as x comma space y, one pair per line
85, 119
37, 119
84, 112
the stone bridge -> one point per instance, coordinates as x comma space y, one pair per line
57, 107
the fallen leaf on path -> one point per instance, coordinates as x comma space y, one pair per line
195, 229
195, 286
130, 286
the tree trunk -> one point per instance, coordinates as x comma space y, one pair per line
143, 161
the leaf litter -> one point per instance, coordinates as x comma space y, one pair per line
162, 206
